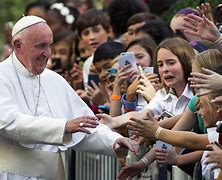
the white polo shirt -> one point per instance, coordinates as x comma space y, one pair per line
169, 101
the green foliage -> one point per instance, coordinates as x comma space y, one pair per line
179, 4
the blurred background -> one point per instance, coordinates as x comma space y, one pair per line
12, 10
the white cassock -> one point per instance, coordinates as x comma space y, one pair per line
32, 123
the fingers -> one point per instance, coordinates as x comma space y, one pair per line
79, 124
135, 124
217, 100
133, 146
207, 71
198, 75
150, 116
203, 92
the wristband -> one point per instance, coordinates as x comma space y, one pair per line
115, 97
157, 133
145, 161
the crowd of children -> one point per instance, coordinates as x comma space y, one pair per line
174, 94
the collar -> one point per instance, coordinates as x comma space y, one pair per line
19, 67
187, 92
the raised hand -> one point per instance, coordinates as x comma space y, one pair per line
205, 9
201, 27
146, 88
94, 93
166, 157
131, 170
76, 76
131, 90
208, 81
122, 145
81, 124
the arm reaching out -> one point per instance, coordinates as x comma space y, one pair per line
202, 27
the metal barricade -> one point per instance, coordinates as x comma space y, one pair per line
89, 166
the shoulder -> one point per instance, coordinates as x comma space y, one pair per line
55, 80
49, 74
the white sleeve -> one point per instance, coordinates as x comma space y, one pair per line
155, 105
101, 141
26, 128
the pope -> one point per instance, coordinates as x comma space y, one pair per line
41, 115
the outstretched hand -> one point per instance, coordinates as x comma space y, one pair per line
201, 27
208, 81
131, 170
145, 128
81, 124
164, 157
107, 120
122, 145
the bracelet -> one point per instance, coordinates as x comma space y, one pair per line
157, 133
115, 97
145, 160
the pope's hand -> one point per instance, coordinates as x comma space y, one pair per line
80, 124
122, 145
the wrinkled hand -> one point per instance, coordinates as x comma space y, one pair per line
208, 81
145, 128
201, 27
131, 170
164, 157
122, 145
80, 124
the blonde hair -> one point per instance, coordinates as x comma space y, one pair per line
210, 59
184, 52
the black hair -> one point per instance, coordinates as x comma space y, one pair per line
42, 4
141, 17
148, 44
157, 29
108, 50
90, 18
120, 11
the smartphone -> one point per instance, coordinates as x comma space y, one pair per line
94, 78
147, 70
112, 71
128, 58
56, 64
163, 145
165, 114
104, 108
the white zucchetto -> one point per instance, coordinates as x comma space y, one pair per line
25, 22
